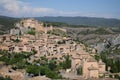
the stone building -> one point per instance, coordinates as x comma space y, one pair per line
32, 23
90, 67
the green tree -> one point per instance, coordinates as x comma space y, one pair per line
32, 32
53, 75
79, 70
33, 69
6, 78
67, 63
52, 65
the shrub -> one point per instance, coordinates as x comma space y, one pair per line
32, 32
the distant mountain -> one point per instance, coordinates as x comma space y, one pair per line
89, 21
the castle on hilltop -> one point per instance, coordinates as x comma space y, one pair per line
26, 25
32, 23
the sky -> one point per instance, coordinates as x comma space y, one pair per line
38, 8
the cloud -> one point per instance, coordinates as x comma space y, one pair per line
19, 8
11, 6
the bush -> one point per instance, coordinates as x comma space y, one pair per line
33, 69
6, 78
32, 32
16, 59
57, 32
16, 40
79, 70
42, 70
117, 76
61, 42
52, 65
67, 63
101, 31
53, 75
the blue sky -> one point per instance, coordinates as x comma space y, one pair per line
36, 8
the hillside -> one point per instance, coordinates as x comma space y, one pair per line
90, 21
6, 23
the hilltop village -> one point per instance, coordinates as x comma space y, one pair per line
31, 35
